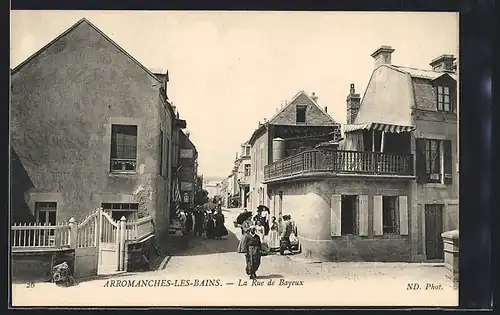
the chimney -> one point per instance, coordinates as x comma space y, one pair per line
382, 56
443, 63
314, 97
326, 109
353, 103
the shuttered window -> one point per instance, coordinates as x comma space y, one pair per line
377, 215
434, 161
447, 167
363, 215
335, 218
403, 215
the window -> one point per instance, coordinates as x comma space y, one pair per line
123, 148
119, 210
160, 162
301, 113
444, 103
247, 150
349, 205
390, 215
434, 161
46, 212
247, 170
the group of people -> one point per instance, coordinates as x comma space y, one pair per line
261, 236
210, 223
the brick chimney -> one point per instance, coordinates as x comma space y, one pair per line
382, 56
353, 103
314, 97
443, 63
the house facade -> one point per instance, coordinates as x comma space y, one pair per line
244, 169
299, 125
188, 171
213, 188
390, 187
90, 127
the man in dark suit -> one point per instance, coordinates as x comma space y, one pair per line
286, 231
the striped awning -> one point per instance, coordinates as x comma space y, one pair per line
379, 127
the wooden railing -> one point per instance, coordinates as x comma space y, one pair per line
341, 162
36, 235
139, 229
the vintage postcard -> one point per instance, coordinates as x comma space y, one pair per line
232, 158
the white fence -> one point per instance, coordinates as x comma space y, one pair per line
29, 236
139, 229
36, 235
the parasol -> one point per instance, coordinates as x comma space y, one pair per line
243, 217
262, 207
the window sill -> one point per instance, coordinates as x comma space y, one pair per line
435, 185
125, 174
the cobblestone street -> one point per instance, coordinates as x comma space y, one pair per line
302, 282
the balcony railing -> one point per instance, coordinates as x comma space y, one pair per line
341, 162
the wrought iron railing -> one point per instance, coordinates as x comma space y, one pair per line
341, 162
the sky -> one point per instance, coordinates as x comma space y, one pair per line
230, 70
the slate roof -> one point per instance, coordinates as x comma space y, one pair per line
391, 101
423, 73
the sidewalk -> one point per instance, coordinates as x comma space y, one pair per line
174, 245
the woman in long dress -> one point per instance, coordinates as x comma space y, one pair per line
219, 230
253, 253
273, 237
210, 227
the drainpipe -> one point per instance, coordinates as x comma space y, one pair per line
373, 140
382, 142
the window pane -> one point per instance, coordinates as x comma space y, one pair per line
440, 90
446, 106
446, 90
52, 218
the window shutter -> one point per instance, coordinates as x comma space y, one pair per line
403, 215
422, 175
335, 209
447, 162
377, 215
363, 215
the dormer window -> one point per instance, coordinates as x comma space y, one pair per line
301, 113
444, 100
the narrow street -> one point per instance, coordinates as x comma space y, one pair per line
207, 263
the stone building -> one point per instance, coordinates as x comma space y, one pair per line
391, 187
299, 125
244, 170
188, 171
90, 127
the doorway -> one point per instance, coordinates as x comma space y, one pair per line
348, 214
433, 230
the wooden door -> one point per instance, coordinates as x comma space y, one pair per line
433, 230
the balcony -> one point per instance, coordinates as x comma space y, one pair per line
338, 162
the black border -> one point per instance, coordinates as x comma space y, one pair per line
476, 61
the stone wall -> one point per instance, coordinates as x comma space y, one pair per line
309, 203
135, 253
36, 266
